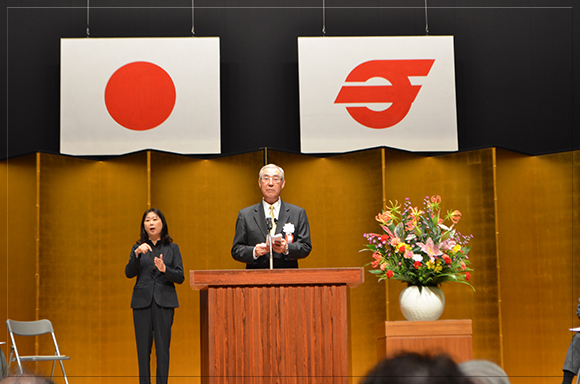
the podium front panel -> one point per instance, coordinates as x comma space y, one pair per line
275, 333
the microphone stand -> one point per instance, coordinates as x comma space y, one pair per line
269, 226
271, 255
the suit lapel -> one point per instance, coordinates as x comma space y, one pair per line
283, 217
260, 219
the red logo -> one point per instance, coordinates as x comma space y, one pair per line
401, 93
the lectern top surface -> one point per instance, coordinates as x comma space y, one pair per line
351, 277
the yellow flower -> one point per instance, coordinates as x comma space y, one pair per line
402, 247
434, 265
438, 267
457, 248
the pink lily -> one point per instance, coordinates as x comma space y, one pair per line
430, 249
447, 245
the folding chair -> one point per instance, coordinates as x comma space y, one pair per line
33, 328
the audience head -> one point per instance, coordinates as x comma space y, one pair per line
415, 368
484, 372
25, 378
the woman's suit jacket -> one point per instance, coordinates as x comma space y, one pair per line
151, 283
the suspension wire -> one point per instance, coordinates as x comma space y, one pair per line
88, 31
426, 20
192, 18
323, 18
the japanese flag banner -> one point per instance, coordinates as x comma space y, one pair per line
121, 95
364, 92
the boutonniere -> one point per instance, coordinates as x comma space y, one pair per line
288, 229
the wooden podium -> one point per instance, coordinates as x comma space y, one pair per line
452, 337
275, 326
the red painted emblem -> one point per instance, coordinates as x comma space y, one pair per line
400, 93
140, 96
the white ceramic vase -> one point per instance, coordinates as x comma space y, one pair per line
427, 305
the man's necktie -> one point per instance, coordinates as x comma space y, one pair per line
273, 230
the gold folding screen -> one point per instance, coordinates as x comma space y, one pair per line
341, 196
70, 224
538, 200
200, 199
465, 181
20, 234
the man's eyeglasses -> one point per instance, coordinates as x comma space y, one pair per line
274, 179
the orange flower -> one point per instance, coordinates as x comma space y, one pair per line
455, 216
389, 274
436, 199
467, 276
384, 218
395, 241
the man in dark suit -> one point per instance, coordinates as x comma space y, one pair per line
251, 245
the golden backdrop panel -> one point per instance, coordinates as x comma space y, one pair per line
69, 258
341, 196
200, 200
123, 199
535, 217
465, 181
19, 255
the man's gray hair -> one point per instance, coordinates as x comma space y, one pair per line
271, 166
484, 372
25, 378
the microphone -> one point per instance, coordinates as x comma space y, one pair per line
269, 224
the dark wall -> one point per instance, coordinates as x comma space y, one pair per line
517, 62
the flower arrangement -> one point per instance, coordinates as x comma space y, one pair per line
417, 247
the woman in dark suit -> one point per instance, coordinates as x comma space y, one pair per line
156, 261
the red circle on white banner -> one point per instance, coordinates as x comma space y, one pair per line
140, 96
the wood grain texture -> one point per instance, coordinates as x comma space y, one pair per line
352, 277
274, 332
452, 337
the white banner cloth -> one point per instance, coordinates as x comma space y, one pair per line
364, 92
121, 95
